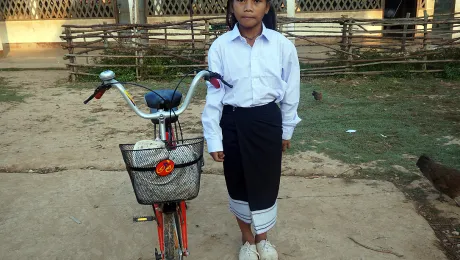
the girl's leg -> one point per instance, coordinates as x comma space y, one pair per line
261, 237
246, 232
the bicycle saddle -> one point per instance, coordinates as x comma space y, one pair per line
166, 102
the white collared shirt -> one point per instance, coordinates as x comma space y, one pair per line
260, 74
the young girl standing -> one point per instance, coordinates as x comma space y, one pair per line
248, 126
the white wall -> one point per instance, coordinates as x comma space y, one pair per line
1, 48
39, 31
335, 27
457, 10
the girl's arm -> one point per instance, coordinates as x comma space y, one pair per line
290, 102
212, 111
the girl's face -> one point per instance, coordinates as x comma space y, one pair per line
249, 13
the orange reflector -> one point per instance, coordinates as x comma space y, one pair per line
165, 167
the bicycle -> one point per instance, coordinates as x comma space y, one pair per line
165, 171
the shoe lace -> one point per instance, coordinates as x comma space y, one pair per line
248, 250
266, 245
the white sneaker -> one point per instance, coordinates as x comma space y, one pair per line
266, 250
248, 252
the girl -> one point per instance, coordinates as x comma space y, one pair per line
244, 126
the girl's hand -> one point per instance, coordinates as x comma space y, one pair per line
286, 144
218, 156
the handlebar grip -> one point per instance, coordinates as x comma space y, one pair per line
215, 75
215, 82
100, 93
97, 93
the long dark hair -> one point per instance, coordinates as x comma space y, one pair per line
269, 19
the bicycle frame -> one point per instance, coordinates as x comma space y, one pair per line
181, 210
108, 79
176, 207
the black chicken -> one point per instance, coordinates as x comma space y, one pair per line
445, 180
317, 95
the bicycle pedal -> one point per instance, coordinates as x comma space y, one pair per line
157, 255
143, 218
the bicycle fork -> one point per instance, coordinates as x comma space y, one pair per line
183, 224
182, 213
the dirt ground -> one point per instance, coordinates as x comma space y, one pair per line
53, 127
34, 58
317, 218
60, 158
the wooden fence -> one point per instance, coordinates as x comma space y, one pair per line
149, 48
325, 46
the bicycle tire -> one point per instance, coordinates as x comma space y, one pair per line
179, 233
171, 236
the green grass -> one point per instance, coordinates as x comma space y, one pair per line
414, 115
8, 94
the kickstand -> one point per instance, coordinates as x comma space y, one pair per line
157, 256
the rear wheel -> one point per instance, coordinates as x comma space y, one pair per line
172, 239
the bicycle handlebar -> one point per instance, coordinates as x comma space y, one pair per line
108, 79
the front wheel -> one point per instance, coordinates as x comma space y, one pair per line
173, 248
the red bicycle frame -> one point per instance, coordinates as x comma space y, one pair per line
181, 209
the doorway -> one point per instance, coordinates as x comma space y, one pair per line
443, 10
399, 9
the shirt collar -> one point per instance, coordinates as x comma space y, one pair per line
235, 33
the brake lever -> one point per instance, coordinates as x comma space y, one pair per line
90, 98
219, 77
100, 90
223, 81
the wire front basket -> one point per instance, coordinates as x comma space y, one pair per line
183, 183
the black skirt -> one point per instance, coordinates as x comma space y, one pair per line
252, 143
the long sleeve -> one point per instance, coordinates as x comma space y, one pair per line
212, 111
290, 101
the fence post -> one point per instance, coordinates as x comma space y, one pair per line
291, 12
349, 47
137, 52
166, 37
344, 34
72, 59
106, 43
191, 26
206, 40
35, 10
87, 49
403, 41
425, 33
